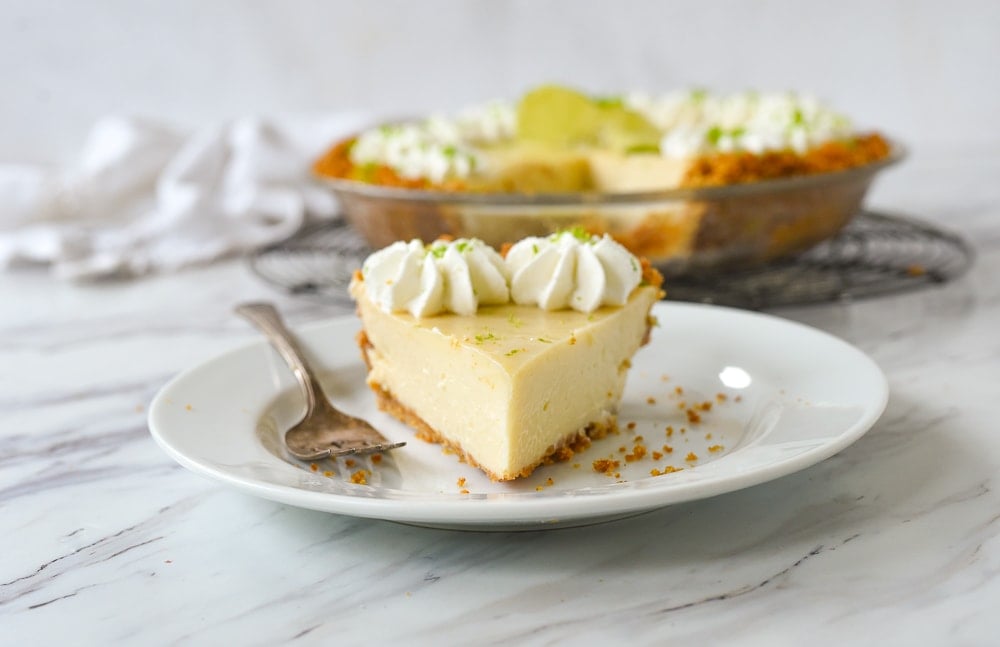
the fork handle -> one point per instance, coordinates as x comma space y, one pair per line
265, 318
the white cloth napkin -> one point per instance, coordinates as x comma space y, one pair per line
147, 198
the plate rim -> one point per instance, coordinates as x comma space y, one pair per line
526, 508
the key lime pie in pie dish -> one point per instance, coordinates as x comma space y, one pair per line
689, 180
510, 361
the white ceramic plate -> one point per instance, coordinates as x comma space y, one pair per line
784, 396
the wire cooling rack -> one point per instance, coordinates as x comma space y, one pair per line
876, 254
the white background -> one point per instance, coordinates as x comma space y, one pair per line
926, 72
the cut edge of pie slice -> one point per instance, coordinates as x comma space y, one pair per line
511, 387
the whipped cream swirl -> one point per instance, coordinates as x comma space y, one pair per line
432, 149
453, 276
697, 122
440, 147
572, 269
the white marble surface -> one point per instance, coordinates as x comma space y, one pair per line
894, 541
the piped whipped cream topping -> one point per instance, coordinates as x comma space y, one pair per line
572, 269
440, 147
453, 276
431, 150
696, 122
492, 122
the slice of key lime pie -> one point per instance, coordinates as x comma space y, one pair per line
509, 361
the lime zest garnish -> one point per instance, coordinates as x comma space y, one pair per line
577, 232
610, 101
366, 172
639, 149
486, 337
714, 134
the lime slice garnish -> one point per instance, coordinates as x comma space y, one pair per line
557, 116
563, 117
626, 130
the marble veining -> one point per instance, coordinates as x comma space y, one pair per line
895, 540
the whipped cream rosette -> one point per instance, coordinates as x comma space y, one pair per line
570, 269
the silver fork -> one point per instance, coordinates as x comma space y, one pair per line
324, 431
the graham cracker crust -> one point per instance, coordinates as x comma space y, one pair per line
563, 450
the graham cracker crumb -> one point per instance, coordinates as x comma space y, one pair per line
605, 466
637, 453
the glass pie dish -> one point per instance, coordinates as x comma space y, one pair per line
680, 231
